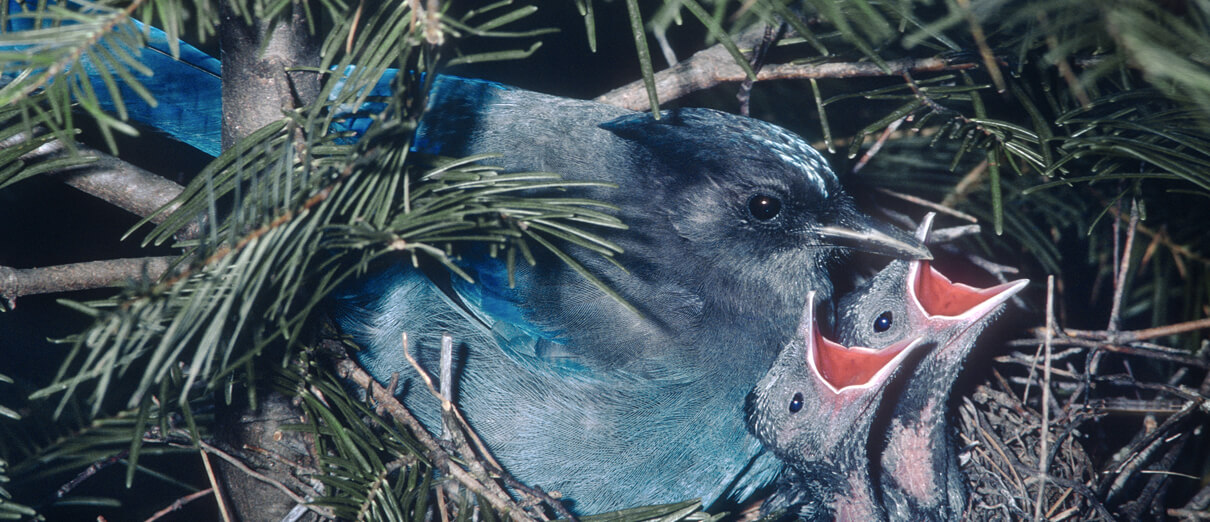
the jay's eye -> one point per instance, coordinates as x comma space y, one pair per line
764, 207
796, 403
883, 322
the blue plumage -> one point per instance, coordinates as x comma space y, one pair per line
187, 91
732, 221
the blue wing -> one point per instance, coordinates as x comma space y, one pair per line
187, 91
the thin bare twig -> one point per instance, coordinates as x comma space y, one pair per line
1133, 336
939, 207
178, 504
1099, 344
223, 509
965, 185
88, 473
877, 146
756, 60
1044, 461
534, 495
1119, 287
386, 401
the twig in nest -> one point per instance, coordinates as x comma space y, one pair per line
1119, 286
223, 508
1043, 463
1131, 336
1149, 351
386, 400
450, 414
1140, 451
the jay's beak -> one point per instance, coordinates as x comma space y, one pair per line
863, 233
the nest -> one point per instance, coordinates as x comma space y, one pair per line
1112, 430
1004, 447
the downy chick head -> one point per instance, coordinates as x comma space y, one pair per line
814, 409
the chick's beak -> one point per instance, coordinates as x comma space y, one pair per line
864, 234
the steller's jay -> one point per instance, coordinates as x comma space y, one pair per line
814, 409
732, 221
914, 299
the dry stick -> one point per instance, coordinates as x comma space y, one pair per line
949, 234
757, 61
1179, 391
1121, 266
20, 282
447, 406
1119, 287
1150, 352
965, 185
218, 492
1189, 514
1043, 455
535, 495
1141, 449
993, 441
939, 207
178, 504
1131, 336
1080, 489
877, 146
89, 472
385, 398
714, 66
231, 459
1158, 480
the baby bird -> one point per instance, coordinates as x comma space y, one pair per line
814, 410
918, 474
819, 407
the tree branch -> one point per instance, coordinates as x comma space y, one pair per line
110, 179
258, 55
15, 282
260, 85
714, 66
121, 184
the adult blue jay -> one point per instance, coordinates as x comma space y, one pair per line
733, 222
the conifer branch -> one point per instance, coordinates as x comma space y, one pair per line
715, 66
16, 282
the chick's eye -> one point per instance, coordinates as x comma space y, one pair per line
764, 207
796, 403
883, 322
